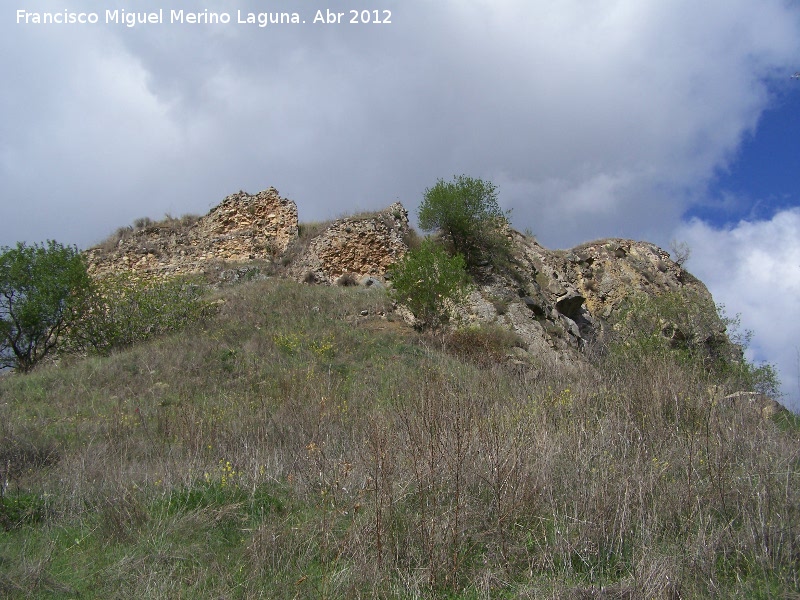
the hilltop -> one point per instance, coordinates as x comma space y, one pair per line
556, 301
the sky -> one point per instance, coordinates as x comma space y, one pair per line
662, 121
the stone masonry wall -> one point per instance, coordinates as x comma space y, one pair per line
242, 227
360, 245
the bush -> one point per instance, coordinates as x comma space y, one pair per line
696, 332
125, 310
485, 346
42, 290
430, 283
467, 214
347, 280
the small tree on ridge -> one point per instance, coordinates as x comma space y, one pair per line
467, 214
430, 282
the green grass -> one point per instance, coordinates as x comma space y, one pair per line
292, 448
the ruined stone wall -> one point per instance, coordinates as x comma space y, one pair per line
363, 245
246, 227
242, 227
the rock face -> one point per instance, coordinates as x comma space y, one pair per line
358, 247
560, 300
242, 227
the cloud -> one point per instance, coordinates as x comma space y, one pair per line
601, 119
83, 136
753, 268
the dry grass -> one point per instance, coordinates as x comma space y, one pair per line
146, 225
291, 449
485, 346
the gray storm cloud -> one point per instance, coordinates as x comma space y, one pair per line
594, 120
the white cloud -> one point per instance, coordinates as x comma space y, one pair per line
605, 115
754, 269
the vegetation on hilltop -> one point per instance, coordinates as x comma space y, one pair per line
467, 215
146, 224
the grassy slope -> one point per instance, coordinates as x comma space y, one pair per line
291, 448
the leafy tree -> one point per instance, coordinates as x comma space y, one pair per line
42, 291
466, 212
430, 283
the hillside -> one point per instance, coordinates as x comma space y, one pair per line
304, 441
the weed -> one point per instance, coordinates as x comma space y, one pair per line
19, 509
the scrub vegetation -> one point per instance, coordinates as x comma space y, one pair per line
287, 446
468, 219
430, 283
43, 288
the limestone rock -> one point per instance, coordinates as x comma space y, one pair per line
559, 301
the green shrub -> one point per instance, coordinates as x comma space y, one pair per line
430, 283
125, 310
467, 214
693, 330
19, 509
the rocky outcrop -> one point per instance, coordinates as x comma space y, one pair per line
355, 247
243, 227
558, 301
606, 272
